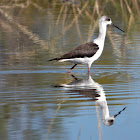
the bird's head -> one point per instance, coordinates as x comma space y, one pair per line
107, 21
109, 121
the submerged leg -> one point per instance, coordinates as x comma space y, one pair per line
71, 68
89, 65
88, 70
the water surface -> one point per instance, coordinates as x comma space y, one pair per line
38, 100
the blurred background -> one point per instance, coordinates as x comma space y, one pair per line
34, 31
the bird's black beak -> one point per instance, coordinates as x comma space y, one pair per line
117, 27
119, 112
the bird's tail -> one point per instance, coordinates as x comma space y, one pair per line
53, 59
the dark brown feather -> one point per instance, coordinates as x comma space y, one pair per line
84, 50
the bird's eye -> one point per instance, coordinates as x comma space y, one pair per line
108, 19
110, 120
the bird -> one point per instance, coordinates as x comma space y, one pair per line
88, 52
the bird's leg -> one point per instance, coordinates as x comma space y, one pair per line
69, 71
88, 70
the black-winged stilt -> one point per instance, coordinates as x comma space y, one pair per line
89, 52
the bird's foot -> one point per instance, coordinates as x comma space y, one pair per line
69, 71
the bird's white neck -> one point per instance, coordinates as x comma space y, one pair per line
102, 33
105, 110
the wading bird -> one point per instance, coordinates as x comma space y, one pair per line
89, 52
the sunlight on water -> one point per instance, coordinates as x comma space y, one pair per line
39, 100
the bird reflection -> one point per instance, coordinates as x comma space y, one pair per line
89, 88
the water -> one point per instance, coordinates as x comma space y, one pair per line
38, 100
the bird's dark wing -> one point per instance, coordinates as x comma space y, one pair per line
84, 50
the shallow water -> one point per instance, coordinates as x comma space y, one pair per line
39, 100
